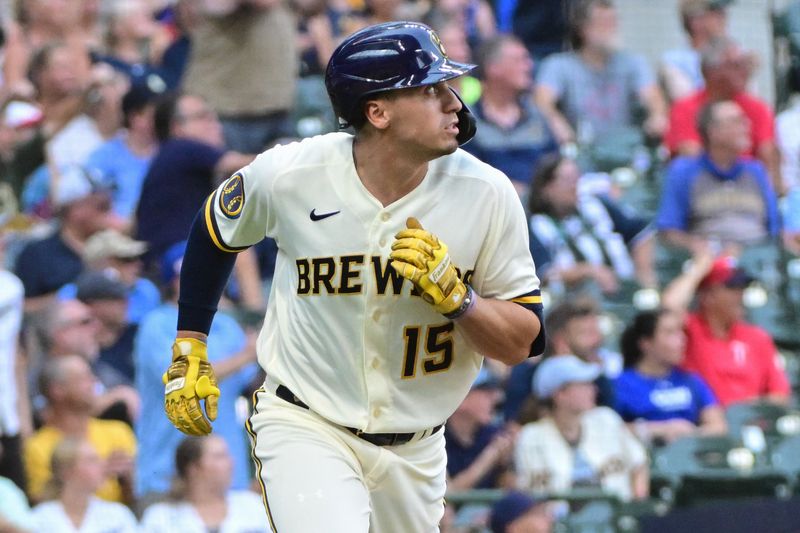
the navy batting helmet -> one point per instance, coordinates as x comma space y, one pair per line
383, 57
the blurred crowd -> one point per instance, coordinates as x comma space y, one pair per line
664, 213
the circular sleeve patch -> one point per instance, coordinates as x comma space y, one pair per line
231, 199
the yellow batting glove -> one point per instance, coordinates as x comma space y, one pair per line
188, 380
420, 257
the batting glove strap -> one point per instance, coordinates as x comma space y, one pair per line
467, 301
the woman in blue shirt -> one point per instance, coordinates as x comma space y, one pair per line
661, 401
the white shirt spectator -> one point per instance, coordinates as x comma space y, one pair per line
11, 300
245, 515
101, 517
545, 461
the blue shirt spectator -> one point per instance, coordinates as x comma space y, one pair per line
733, 205
122, 171
661, 401
180, 178
157, 438
679, 394
515, 150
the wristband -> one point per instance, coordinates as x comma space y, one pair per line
466, 304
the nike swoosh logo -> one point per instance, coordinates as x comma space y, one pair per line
315, 217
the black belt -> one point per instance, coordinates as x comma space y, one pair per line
378, 439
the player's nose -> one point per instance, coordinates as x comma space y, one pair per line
451, 104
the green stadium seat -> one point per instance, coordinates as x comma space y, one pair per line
775, 422
705, 468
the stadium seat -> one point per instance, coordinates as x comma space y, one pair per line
775, 422
712, 468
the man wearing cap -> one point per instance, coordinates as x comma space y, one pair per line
519, 512
44, 265
107, 298
738, 360
115, 252
576, 443
478, 450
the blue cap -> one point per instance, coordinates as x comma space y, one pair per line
171, 262
509, 508
557, 371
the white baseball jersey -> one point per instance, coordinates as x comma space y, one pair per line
343, 330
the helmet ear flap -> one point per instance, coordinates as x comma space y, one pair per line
466, 122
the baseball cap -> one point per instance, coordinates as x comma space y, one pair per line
725, 271
112, 243
171, 262
510, 507
93, 286
555, 372
72, 184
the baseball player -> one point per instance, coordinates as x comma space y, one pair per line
402, 262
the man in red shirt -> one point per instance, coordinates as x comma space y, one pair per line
738, 360
726, 69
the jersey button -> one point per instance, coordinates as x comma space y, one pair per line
382, 242
376, 316
376, 412
376, 364
385, 217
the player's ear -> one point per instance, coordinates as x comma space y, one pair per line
378, 113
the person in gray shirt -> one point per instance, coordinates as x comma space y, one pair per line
596, 88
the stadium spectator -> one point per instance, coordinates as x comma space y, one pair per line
15, 513
726, 70
134, 43
39, 23
122, 162
542, 25
596, 89
66, 134
579, 239
71, 504
660, 401
201, 499
231, 38
190, 161
231, 350
474, 16
512, 134
175, 58
69, 386
719, 195
67, 328
578, 444
107, 299
519, 512
703, 21
573, 328
45, 265
479, 451
120, 256
738, 360
15, 421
